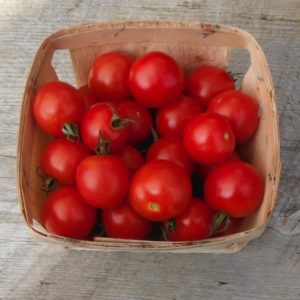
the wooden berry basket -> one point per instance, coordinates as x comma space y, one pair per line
192, 44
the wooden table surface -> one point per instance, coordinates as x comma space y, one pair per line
268, 268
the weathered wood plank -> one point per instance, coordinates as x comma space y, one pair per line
268, 268
52, 272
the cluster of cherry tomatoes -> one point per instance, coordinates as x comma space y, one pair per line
142, 145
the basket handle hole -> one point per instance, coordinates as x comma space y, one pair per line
62, 65
239, 63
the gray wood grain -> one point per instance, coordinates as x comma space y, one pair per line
268, 268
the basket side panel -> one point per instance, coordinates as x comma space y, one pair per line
31, 139
263, 150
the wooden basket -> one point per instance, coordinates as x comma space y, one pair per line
192, 44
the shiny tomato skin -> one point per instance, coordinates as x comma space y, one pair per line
108, 76
209, 139
65, 213
132, 158
123, 222
60, 159
160, 190
204, 170
99, 118
88, 97
140, 127
241, 111
171, 149
156, 79
102, 180
235, 188
207, 82
172, 119
194, 224
55, 104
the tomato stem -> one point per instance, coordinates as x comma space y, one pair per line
118, 123
103, 145
49, 185
70, 130
218, 219
168, 227
154, 134
164, 233
171, 225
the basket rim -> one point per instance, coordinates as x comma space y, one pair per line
110, 244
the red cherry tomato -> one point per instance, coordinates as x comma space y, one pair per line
156, 79
140, 127
235, 188
160, 190
108, 77
208, 138
61, 158
194, 224
88, 97
106, 118
66, 214
132, 158
241, 111
56, 104
171, 149
204, 170
172, 119
102, 180
207, 82
124, 223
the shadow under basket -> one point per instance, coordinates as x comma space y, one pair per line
192, 44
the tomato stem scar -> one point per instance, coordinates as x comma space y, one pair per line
154, 207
